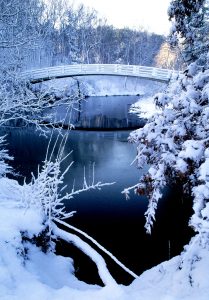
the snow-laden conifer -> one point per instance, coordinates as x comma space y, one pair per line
174, 143
189, 27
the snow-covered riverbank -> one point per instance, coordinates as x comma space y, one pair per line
28, 273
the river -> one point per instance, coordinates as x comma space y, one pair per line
98, 113
106, 215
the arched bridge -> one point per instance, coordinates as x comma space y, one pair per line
44, 74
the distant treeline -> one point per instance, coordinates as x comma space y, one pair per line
36, 33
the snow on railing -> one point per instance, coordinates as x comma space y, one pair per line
43, 74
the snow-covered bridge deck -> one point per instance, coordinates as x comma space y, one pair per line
44, 74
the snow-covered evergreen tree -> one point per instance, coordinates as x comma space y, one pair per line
190, 25
175, 143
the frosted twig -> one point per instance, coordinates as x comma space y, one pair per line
98, 245
126, 190
104, 274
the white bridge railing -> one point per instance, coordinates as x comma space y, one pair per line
43, 74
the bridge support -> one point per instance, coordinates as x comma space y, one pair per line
80, 97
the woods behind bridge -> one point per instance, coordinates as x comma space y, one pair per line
38, 34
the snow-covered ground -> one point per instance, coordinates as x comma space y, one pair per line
28, 273
144, 108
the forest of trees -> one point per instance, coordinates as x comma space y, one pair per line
35, 33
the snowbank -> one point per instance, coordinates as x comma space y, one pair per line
28, 273
144, 108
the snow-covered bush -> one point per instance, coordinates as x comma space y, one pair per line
46, 191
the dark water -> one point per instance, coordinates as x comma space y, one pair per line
116, 223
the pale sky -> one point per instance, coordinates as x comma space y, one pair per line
152, 14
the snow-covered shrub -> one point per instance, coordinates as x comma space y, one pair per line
46, 190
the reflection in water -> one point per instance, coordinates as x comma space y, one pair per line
116, 223
100, 113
